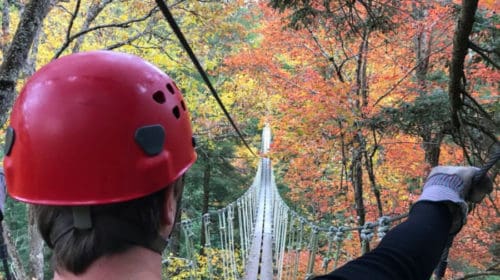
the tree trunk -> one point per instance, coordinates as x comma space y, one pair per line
31, 20
93, 11
30, 65
456, 84
36, 248
5, 27
357, 183
422, 44
371, 175
361, 80
357, 152
432, 148
16, 262
344, 168
206, 198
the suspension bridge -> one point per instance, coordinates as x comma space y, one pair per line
259, 237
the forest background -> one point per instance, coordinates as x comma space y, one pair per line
363, 98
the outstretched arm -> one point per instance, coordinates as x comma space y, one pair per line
413, 249
409, 251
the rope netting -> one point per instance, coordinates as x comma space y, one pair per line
227, 234
303, 248
300, 248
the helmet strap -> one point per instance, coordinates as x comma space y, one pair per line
116, 228
81, 217
131, 233
82, 220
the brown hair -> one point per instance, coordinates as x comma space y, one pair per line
74, 250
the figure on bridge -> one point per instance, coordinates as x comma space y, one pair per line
99, 143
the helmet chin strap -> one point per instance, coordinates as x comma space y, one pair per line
116, 228
131, 233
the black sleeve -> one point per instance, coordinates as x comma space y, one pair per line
410, 251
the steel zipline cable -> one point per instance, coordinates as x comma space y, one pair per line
173, 24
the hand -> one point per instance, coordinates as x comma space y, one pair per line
454, 185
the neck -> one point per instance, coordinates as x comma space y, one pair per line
135, 263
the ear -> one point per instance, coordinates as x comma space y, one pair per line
169, 210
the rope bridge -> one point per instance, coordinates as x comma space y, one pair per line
259, 237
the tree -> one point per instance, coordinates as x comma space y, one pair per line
31, 21
15, 59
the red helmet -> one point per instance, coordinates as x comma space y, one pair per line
96, 128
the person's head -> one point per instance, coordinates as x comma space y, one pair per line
99, 142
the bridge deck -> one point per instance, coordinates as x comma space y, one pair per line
260, 259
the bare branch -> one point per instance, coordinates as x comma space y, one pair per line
330, 58
288, 81
72, 20
479, 127
478, 274
479, 51
478, 106
133, 38
125, 24
460, 47
31, 20
93, 11
390, 90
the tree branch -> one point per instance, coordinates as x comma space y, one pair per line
125, 24
93, 11
478, 108
30, 22
72, 19
390, 90
330, 58
479, 51
460, 48
478, 274
133, 38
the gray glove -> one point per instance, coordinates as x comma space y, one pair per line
453, 184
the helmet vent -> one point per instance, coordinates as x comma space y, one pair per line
183, 105
159, 97
176, 112
170, 88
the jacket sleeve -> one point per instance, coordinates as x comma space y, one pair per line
409, 251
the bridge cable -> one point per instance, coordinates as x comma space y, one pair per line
222, 235
187, 229
208, 244
173, 24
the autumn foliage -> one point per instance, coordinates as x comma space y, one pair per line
395, 116
355, 93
